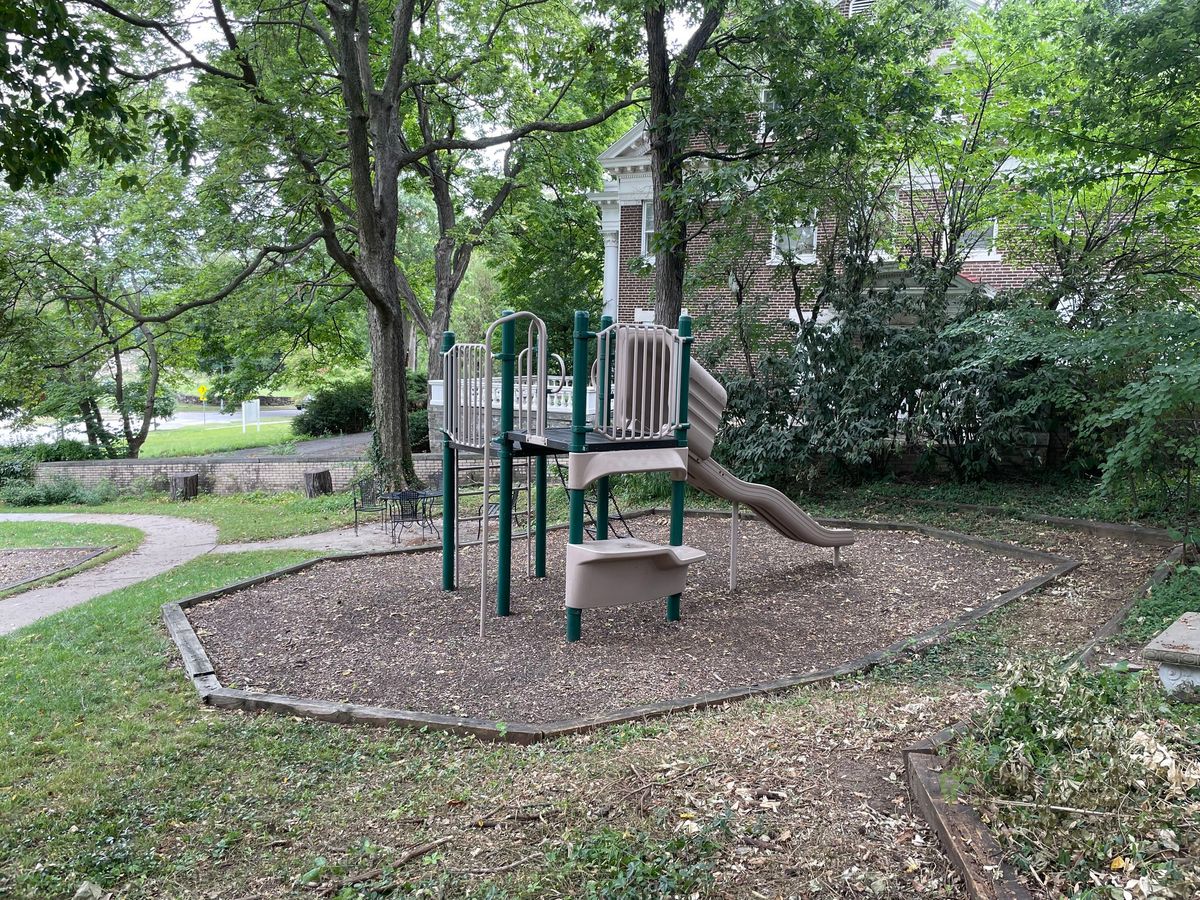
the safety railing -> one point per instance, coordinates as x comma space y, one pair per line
469, 408
558, 396
637, 381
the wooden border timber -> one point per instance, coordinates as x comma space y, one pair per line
1143, 534
200, 670
962, 833
18, 587
964, 836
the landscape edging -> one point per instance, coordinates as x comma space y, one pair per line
967, 840
18, 587
212, 692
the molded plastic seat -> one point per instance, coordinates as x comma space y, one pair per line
625, 570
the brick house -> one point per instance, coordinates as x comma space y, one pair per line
626, 221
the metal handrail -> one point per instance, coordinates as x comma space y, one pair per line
536, 419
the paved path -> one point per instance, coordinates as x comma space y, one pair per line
169, 542
341, 446
343, 540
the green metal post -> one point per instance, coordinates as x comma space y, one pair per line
679, 488
508, 363
579, 429
539, 519
602, 484
449, 480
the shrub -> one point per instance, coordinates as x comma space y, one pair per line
418, 390
61, 490
343, 407
65, 450
418, 429
1095, 780
15, 465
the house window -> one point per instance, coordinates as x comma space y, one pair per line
647, 227
858, 7
796, 243
980, 243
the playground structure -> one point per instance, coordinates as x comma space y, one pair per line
656, 410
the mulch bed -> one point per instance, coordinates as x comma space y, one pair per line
380, 631
19, 566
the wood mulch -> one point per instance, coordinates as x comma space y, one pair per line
19, 566
380, 631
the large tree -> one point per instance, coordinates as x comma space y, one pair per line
323, 103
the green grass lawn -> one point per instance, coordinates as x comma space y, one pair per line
14, 535
112, 771
238, 517
200, 440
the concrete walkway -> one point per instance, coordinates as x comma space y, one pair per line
370, 537
341, 446
168, 542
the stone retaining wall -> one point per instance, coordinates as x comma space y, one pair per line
218, 476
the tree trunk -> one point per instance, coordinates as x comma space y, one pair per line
666, 173
389, 390
443, 300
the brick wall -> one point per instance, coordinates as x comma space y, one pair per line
223, 476
769, 285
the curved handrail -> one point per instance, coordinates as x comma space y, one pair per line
534, 322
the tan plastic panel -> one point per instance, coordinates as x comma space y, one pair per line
584, 468
625, 570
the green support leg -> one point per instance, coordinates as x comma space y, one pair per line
579, 429
539, 519
507, 357
449, 514
574, 536
678, 490
449, 491
602, 492
504, 533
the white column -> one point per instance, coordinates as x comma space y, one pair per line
612, 262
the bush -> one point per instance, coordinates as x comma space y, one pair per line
65, 450
61, 490
1096, 782
15, 465
418, 429
343, 407
418, 390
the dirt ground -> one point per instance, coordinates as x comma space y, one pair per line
810, 784
380, 630
17, 566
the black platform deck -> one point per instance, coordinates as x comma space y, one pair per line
558, 441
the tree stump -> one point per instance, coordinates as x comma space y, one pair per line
185, 486
318, 483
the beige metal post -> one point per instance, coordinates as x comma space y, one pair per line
733, 548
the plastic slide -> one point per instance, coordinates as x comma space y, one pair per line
706, 404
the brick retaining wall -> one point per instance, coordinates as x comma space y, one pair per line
218, 476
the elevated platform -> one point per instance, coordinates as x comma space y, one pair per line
558, 442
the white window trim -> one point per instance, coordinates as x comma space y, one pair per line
775, 258
990, 252
647, 253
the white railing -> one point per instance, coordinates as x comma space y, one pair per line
558, 398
